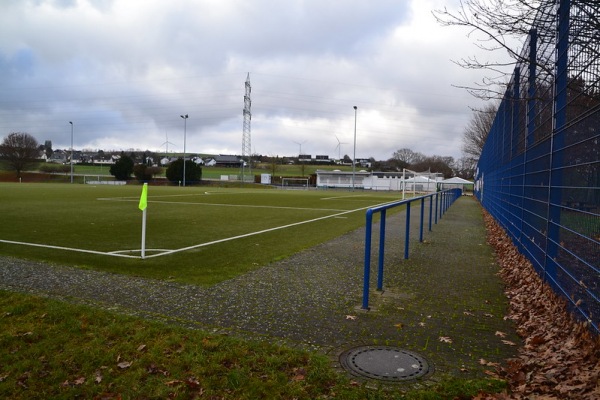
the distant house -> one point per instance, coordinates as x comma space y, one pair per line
58, 156
227, 161
363, 162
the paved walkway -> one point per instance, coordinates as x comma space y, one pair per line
444, 303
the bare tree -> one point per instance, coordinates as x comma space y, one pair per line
477, 130
20, 150
497, 26
407, 156
504, 26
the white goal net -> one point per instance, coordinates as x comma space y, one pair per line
295, 183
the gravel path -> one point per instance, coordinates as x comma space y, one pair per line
312, 298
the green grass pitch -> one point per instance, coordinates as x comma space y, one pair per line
196, 235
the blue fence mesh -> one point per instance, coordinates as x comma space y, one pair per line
539, 171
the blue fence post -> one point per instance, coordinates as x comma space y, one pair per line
367, 272
407, 233
421, 224
381, 250
436, 207
557, 145
430, 210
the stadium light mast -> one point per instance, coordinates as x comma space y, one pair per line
70, 122
185, 117
246, 135
354, 157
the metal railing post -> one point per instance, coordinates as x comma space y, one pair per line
381, 250
367, 272
421, 224
406, 239
436, 207
430, 210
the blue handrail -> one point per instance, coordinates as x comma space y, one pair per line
443, 200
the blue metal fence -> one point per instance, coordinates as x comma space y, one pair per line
438, 204
539, 171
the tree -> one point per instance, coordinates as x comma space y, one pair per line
407, 156
497, 25
20, 150
439, 164
193, 172
465, 167
123, 168
274, 164
145, 173
502, 25
477, 131
48, 148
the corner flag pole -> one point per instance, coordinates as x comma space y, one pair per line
143, 205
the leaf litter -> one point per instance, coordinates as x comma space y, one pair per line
560, 357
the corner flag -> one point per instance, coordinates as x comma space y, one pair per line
144, 197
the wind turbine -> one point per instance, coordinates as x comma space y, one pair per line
167, 143
339, 147
299, 144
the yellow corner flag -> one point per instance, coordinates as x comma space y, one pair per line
144, 197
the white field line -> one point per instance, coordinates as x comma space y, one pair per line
343, 197
259, 232
48, 246
221, 204
164, 253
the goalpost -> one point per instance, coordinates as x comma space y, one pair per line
422, 182
295, 183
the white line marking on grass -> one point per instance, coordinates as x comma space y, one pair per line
117, 253
261, 231
344, 197
129, 199
48, 246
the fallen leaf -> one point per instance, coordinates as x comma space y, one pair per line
469, 313
79, 381
501, 334
422, 324
141, 347
445, 339
124, 364
351, 317
193, 382
508, 342
488, 315
299, 374
399, 325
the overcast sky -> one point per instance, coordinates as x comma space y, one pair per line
123, 71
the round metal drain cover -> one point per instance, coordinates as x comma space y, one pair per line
384, 363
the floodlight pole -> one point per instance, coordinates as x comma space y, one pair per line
70, 122
185, 117
354, 157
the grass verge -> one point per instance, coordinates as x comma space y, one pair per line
52, 349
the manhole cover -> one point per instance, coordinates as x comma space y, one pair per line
384, 363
